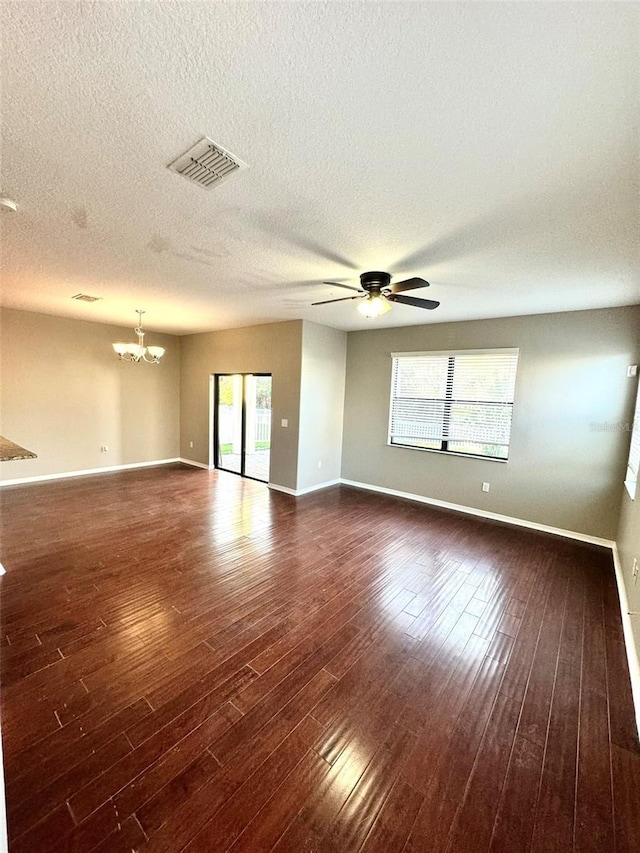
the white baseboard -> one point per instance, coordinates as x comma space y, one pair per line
507, 519
83, 473
284, 489
492, 516
629, 640
319, 486
469, 510
195, 464
296, 493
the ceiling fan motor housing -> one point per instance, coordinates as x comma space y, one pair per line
374, 281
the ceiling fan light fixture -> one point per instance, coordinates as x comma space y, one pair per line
375, 305
377, 295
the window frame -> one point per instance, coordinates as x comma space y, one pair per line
631, 476
448, 399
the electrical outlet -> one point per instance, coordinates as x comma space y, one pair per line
632, 370
103, 448
485, 487
319, 463
190, 444
284, 422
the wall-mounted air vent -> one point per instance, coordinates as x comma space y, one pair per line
84, 297
207, 164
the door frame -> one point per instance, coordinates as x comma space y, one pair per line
213, 423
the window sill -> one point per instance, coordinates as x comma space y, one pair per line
450, 453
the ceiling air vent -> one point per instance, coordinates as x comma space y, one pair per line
206, 164
84, 297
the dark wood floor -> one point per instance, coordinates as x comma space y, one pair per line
191, 662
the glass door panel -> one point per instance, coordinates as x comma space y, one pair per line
257, 427
229, 423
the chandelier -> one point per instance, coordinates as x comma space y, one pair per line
138, 352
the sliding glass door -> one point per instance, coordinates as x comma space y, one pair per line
242, 424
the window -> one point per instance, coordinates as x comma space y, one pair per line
455, 402
631, 480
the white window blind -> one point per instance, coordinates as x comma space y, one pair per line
633, 466
458, 402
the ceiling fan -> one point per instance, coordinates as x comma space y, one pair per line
377, 293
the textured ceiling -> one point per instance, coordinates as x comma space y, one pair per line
490, 148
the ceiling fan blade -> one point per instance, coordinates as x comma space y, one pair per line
411, 300
343, 299
337, 284
408, 284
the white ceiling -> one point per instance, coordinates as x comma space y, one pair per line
489, 148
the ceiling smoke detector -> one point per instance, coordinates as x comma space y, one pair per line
207, 164
84, 297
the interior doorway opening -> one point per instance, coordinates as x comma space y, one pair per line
240, 441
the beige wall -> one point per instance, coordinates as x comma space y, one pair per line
274, 348
561, 472
64, 394
324, 354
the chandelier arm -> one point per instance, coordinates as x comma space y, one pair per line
141, 350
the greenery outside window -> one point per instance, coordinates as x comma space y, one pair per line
454, 402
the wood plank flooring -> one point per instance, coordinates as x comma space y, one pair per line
191, 662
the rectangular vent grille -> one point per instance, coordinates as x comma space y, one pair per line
206, 164
84, 297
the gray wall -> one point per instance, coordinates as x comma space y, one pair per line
274, 348
64, 393
561, 472
324, 354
